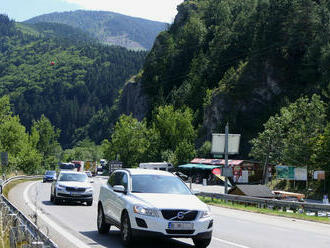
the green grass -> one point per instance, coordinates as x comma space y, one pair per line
223, 203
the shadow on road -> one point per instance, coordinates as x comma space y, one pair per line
112, 239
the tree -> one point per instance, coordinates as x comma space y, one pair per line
288, 137
47, 143
129, 140
174, 126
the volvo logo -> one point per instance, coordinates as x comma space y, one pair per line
180, 215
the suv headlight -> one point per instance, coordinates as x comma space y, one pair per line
60, 187
206, 214
89, 189
145, 211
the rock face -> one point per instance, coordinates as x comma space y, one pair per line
245, 114
134, 101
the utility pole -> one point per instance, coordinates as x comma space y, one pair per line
226, 156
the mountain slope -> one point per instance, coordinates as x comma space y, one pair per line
239, 61
108, 27
66, 80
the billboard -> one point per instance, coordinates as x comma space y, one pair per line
218, 143
291, 173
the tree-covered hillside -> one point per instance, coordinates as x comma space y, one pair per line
108, 27
240, 61
72, 83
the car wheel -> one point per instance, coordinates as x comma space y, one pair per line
125, 230
201, 243
56, 200
89, 203
102, 226
51, 197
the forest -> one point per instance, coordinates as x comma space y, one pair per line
72, 82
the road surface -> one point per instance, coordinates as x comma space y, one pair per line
74, 225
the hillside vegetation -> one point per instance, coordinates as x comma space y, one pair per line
108, 27
240, 62
72, 82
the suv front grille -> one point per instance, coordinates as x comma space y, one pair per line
173, 214
72, 189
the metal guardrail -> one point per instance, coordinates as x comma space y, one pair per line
262, 202
35, 237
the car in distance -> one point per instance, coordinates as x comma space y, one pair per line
49, 176
144, 202
88, 173
72, 186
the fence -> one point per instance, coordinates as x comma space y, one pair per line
272, 203
22, 232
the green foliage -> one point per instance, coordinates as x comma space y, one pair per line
84, 150
70, 82
45, 137
205, 150
252, 56
14, 139
174, 126
288, 137
129, 141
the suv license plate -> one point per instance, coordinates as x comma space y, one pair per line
180, 226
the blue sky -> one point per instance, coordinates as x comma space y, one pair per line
158, 10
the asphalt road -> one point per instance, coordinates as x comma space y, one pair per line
74, 225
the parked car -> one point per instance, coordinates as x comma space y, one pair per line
49, 176
145, 202
73, 187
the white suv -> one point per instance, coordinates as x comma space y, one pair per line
152, 203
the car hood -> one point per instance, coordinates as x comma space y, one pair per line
75, 184
170, 201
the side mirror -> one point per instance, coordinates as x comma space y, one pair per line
119, 189
196, 192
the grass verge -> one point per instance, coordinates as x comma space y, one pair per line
223, 203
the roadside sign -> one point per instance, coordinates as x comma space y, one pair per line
227, 172
218, 143
114, 165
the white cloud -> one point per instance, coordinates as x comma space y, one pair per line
158, 10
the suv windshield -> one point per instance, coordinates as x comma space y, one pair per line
73, 177
158, 184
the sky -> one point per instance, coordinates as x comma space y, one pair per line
156, 10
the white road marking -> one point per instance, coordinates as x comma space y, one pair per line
229, 243
65, 234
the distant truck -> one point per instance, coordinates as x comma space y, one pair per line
79, 165
164, 166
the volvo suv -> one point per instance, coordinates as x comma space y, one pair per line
73, 187
144, 202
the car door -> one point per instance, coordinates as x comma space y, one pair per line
109, 196
119, 203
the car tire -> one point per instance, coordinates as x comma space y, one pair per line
56, 200
102, 226
89, 203
201, 243
125, 230
51, 197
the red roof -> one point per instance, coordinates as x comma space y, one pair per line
215, 161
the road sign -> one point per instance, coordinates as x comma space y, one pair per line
114, 165
218, 143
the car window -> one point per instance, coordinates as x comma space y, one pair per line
73, 177
158, 184
118, 178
